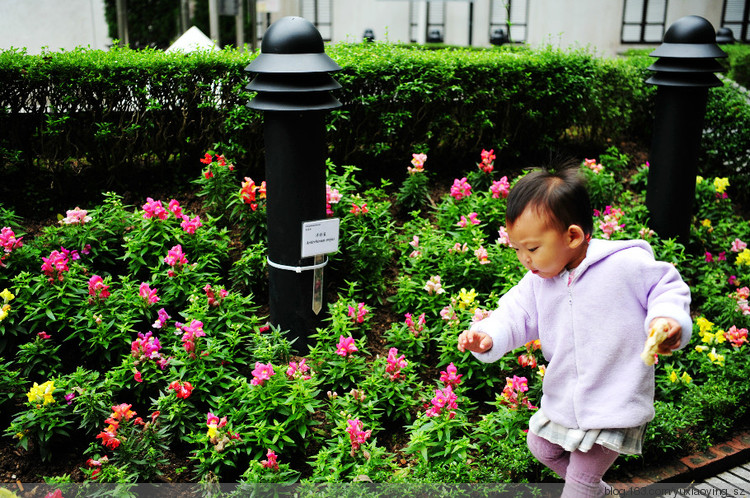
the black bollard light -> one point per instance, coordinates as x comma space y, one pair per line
293, 91
683, 74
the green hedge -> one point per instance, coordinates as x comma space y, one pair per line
75, 122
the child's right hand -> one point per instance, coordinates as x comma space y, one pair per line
475, 341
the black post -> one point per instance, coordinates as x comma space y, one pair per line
683, 75
294, 92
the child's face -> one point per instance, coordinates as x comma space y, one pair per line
542, 248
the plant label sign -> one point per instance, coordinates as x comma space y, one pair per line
320, 237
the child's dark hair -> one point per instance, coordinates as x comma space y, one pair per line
562, 196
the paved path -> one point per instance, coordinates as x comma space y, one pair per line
732, 482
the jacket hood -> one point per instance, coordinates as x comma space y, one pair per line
601, 248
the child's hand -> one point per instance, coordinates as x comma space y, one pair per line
674, 336
475, 341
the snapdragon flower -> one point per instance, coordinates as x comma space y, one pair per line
395, 364
345, 346
261, 373
500, 188
75, 216
460, 189
357, 435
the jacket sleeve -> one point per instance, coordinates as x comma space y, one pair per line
512, 324
668, 296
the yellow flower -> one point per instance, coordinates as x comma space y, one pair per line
541, 371
466, 299
716, 358
708, 337
721, 184
7, 296
719, 337
704, 325
212, 431
673, 376
686, 379
701, 348
698, 179
4, 312
706, 223
42, 393
743, 258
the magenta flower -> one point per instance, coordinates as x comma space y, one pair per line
175, 257
190, 225
175, 208
357, 436
708, 257
191, 332
358, 315
148, 293
146, 347
500, 188
8, 240
444, 398
271, 462
211, 295
97, 289
512, 393
43, 335
55, 265
154, 209
161, 320
450, 376
261, 373
395, 363
345, 346
460, 189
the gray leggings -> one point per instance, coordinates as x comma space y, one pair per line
581, 471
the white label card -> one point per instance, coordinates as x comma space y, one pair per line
320, 237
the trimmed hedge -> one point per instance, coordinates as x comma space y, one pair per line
75, 123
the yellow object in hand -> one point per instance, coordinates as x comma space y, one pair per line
656, 336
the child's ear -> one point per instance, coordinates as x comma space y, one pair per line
576, 236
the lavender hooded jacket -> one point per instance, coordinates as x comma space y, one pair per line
592, 332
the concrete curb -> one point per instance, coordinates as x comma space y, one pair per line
692, 468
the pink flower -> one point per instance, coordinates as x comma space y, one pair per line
359, 210
271, 462
737, 337
415, 328
459, 248
358, 315
733, 280
450, 376
55, 265
43, 335
503, 237
137, 376
513, 388
211, 295
191, 333
449, 314
161, 320
190, 225
345, 346
708, 257
8, 240
444, 398
261, 373
527, 360
97, 289
738, 246
357, 436
395, 364
145, 347
148, 293
175, 257
460, 189
488, 161
298, 370
75, 216
500, 188
154, 209
482, 255
433, 285
472, 219
175, 208
592, 165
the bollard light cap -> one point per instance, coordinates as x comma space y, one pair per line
292, 45
690, 37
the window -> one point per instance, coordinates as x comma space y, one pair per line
512, 17
435, 21
643, 21
318, 12
735, 16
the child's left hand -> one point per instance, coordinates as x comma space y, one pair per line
674, 336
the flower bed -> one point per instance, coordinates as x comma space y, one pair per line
140, 332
